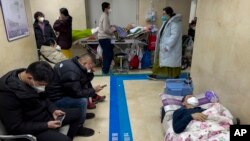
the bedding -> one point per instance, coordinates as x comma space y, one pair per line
215, 128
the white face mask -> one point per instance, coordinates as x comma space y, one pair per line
41, 19
193, 101
39, 89
110, 10
58, 47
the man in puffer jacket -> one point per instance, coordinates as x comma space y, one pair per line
52, 54
72, 86
24, 108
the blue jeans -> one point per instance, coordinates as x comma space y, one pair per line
107, 54
69, 102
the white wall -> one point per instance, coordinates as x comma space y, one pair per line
123, 12
18, 53
221, 53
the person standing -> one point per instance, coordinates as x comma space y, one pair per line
63, 28
168, 52
105, 34
43, 30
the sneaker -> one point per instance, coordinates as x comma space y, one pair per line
85, 132
99, 98
90, 115
91, 105
152, 77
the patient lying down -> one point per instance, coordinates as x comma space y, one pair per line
187, 113
196, 123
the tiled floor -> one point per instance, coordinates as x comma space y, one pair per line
145, 118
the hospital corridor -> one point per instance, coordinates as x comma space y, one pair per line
124, 70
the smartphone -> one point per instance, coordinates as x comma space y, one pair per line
60, 118
104, 85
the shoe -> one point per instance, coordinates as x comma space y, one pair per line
152, 77
90, 115
91, 105
85, 132
98, 98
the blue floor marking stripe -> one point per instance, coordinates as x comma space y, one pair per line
119, 122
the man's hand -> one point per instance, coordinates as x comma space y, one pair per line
199, 117
113, 29
57, 113
54, 124
98, 88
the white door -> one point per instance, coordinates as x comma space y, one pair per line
123, 12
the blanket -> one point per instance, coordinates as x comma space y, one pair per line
215, 128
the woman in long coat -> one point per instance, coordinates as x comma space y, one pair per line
168, 52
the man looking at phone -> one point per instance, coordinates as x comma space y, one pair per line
25, 110
71, 86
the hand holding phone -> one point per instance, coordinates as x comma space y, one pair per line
60, 118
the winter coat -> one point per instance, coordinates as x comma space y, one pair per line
51, 55
22, 109
42, 38
170, 40
72, 80
64, 28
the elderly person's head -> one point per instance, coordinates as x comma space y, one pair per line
190, 101
87, 62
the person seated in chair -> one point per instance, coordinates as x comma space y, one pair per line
52, 53
71, 86
25, 110
189, 111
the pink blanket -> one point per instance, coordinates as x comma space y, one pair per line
215, 128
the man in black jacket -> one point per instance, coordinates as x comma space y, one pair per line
71, 85
25, 110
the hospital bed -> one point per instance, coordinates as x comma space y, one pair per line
217, 125
121, 47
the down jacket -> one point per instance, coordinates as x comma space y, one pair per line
72, 80
51, 55
22, 109
169, 44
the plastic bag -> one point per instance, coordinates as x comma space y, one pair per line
99, 52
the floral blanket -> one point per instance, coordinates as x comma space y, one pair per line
215, 128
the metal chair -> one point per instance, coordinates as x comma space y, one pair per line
121, 56
4, 136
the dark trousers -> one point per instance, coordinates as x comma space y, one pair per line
72, 119
69, 102
107, 54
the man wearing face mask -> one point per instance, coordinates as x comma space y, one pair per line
43, 30
105, 33
25, 110
188, 112
72, 86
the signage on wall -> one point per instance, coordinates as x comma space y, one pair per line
15, 19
